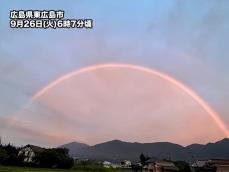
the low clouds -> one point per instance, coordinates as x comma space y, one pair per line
23, 132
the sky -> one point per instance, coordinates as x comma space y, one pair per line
187, 40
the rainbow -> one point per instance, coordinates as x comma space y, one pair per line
216, 117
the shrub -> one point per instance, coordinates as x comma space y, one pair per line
9, 155
182, 166
54, 158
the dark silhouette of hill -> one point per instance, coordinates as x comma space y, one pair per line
218, 149
120, 150
74, 147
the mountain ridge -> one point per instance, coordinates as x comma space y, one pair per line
120, 150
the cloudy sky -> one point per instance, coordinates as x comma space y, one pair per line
187, 40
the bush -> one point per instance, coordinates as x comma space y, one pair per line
182, 166
3, 155
54, 158
9, 155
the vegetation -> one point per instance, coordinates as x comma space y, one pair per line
93, 168
9, 155
182, 166
143, 158
49, 158
54, 158
29, 169
57, 160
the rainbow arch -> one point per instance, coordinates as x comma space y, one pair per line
215, 116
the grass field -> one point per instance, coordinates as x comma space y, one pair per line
75, 169
22, 169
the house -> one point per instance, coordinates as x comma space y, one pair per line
165, 166
202, 165
126, 164
214, 165
106, 164
159, 166
116, 165
222, 168
221, 165
29, 152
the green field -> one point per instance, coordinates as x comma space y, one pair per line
22, 169
75, 169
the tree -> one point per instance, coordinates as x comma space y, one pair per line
9, 155
3, 155
47, 158
143, 158
54, 158
136, 167
182, 166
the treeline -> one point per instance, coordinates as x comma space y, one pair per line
48, 158
54, 158
9, 155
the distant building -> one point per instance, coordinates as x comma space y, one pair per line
126, 164
200, 163
214, 165
165, 166
29, 152
78, 160
116, 165
106, 164
159, 166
